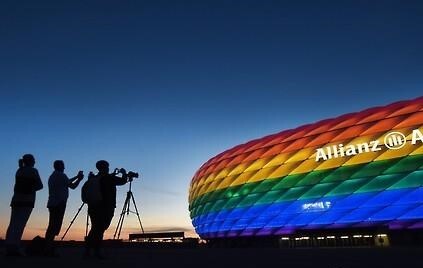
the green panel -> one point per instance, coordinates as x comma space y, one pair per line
380, 183
266, 185
245, 189
250, 200
342, 173
414, 179
271, 196
293, 193
373, 169
229, 192
318, 190
313, 177
409, 163
233, 202
348, 186
288, 181
218, 205
205, 208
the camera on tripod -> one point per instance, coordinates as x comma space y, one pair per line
131, 174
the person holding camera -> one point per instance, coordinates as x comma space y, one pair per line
101, 212
58, 186
27, 183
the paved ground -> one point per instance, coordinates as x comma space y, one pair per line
119, 257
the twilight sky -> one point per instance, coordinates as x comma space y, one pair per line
159, 87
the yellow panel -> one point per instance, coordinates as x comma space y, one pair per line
212, 186
262, 174
331, 163
226, 182
363, 139
283, 170
211, 177
258, 164
203, 189
223, 173
240, 168
306, 166
388, 154
243, 178
362, 158
278, 160
418, 151
301, 154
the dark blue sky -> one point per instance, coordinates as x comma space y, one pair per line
161, 86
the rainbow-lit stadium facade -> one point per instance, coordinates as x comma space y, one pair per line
358, 170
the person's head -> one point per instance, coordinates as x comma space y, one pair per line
28, 160
20, 163
59, 165
102, 166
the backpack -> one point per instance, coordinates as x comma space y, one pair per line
91, 191
36, 247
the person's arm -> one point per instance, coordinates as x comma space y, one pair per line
38, 184
74, 182
121, 180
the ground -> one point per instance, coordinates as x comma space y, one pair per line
136, 256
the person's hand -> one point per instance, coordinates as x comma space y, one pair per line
122, 171
80, 175
90, 175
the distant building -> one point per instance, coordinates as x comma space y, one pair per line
356, 179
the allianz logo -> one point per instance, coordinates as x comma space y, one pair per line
393, 140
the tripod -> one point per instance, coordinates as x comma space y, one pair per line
72, 221
126, 210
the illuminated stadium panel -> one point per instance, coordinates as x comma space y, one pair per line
351, 171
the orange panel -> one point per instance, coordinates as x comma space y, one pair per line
276, 149
298, 144
323, 138
352, 132
412, 120
383, 125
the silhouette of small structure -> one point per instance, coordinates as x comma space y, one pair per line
157, 237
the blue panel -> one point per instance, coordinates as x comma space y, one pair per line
391, 213
297, 206
330, 216
416, 213
236, 213
210, 217
385, 198
275, 209
304, 218
214, 227
227, 225
222, 215
280, 220
259, 222
413, 197
241, 224
358, 215
352, 201
255, 211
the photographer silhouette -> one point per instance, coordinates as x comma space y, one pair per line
101, 212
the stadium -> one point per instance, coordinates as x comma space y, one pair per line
352, 180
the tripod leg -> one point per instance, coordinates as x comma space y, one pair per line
136, 210
121, 218
87, 224
72, 221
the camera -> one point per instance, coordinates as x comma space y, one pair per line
132, 175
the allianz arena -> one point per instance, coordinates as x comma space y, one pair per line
356, 176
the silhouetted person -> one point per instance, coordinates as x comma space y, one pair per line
101, 213
27, 182
58, 189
